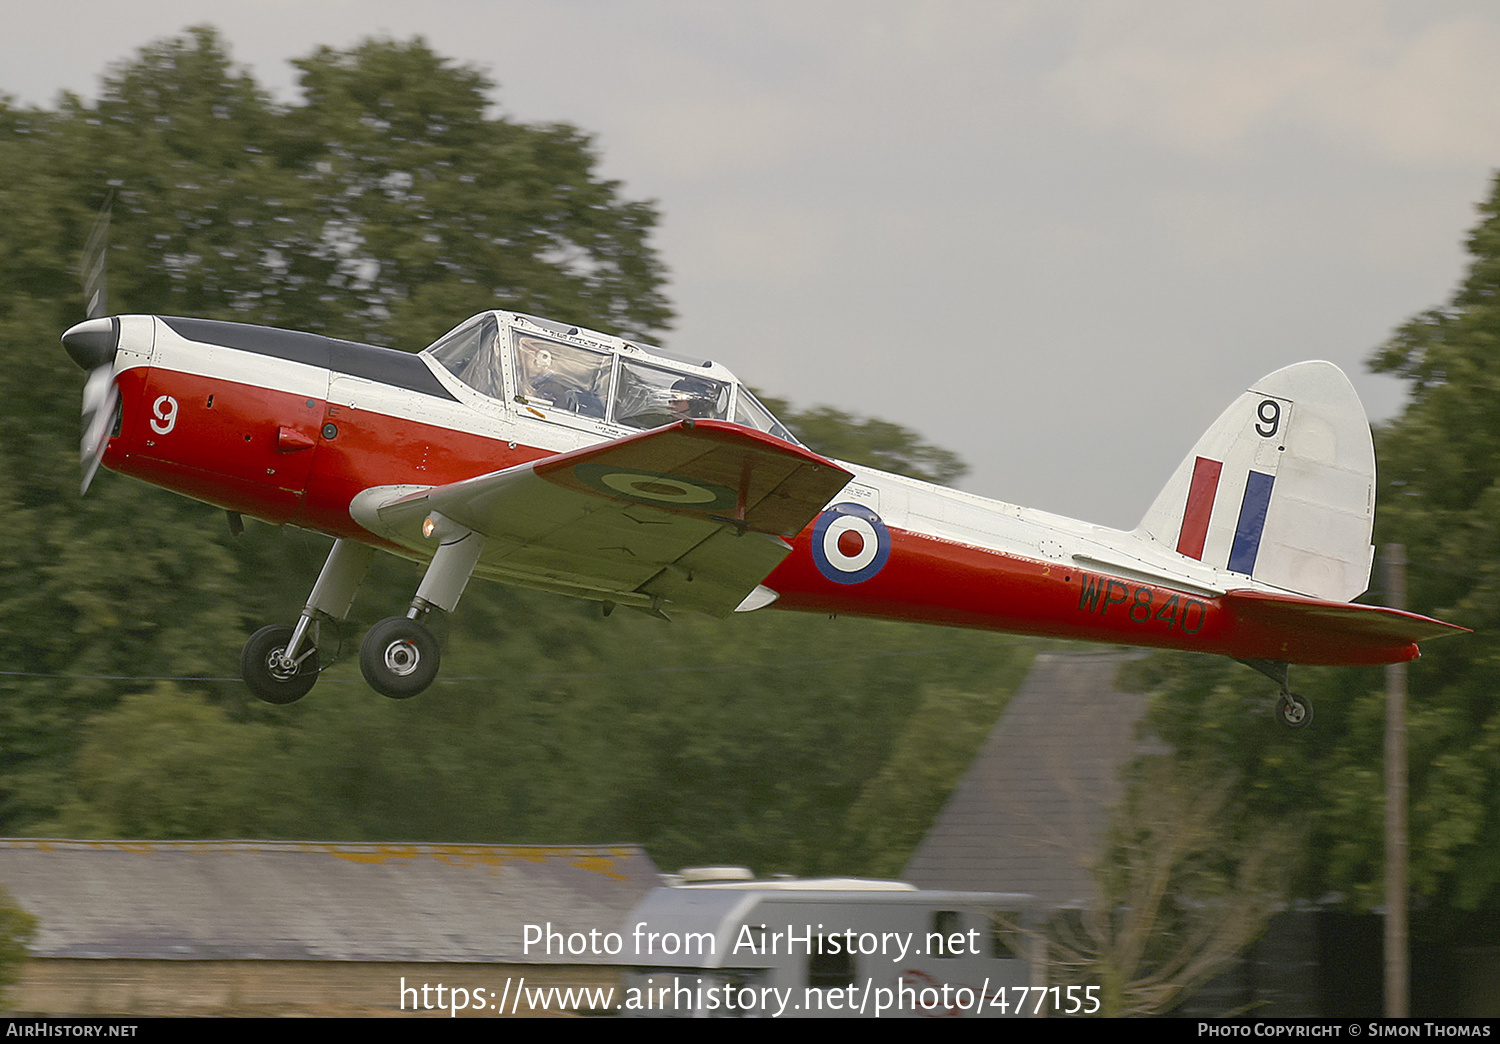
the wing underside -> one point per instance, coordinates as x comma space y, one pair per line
694, 514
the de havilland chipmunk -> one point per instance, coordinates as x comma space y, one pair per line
539, 453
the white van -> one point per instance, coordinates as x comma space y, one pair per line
719, 943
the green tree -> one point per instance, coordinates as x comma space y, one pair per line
869, 441
166, 763
202, 195
743, 740
397, 139
897, 806
384, 207
1440, 469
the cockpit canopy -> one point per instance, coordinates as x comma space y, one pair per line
555, 369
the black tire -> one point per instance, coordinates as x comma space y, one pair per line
399, 658
1293, 711
267, 680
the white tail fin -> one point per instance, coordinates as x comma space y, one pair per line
1281, 488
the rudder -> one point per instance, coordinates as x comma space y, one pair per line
1281, 488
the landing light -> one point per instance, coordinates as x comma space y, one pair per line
428, 526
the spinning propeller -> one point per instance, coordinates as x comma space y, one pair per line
92, 344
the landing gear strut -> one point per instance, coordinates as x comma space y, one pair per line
280, 664
1292, 710
399, 656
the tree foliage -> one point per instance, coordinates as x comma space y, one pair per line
138, 760
897, 806
431, 210
383, 207
870, 441
1440, 463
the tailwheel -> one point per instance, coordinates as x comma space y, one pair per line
268, 672
1293, 711
399, 658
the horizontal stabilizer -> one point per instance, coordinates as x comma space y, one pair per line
1370, 622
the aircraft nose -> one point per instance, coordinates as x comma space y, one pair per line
92, 343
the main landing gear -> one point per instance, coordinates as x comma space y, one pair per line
1292, 710
273, 675
399, 656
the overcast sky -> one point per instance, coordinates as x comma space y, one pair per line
1055, 236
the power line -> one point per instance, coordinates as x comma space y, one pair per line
612, 673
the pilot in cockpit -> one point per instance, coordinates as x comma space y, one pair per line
560, 376
536, 369
692, 397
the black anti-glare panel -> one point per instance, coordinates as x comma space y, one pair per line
383, 365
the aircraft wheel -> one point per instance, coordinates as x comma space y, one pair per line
399, 658
260, 666
1294, 711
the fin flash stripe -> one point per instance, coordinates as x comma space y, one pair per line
1200, 507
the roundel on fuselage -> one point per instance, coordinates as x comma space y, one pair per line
850, 544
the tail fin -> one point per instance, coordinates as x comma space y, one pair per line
1281, 488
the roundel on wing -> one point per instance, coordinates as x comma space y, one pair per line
650, 487
850, 544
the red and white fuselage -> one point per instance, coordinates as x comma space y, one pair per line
332, 436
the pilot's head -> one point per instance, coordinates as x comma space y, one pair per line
691, 397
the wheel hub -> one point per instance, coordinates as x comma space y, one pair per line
399, 658
1295, 711
281, 668
402, 658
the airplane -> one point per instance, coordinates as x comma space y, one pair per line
535, 452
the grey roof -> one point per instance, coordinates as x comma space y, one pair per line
300, 900
1028, 815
